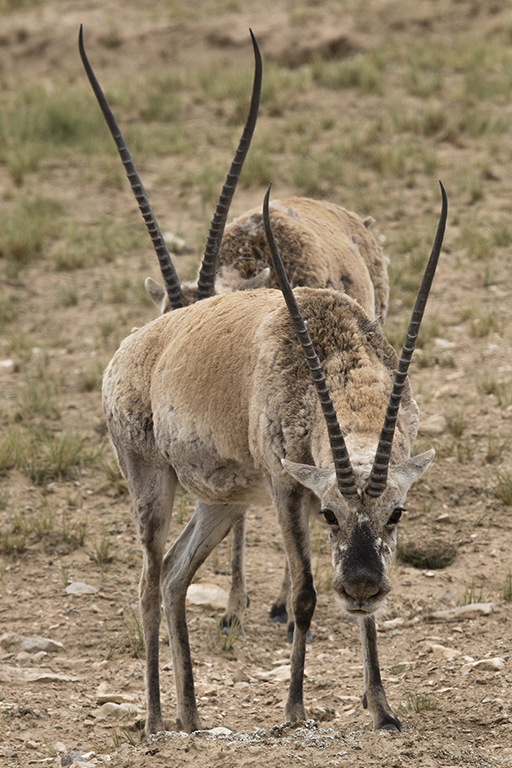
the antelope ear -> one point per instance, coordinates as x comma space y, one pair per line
156, 293
313, 478
411, 470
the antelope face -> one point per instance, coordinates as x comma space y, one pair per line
362, 529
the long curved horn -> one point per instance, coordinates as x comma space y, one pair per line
171, 281
206, 281
342, 465
379, 473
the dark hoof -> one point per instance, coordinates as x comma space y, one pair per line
278, 614
394, 725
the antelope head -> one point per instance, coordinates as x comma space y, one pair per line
361, 500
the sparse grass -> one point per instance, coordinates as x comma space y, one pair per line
503, 488
495, 448
24, 230
422, 703
89, 379
114, 480
472, 594
507, 588
227, 636
9, 308
12, 449
500, 388
433, 554
99, 551
38, 398
361, 72
479, 246
455, 422
33, 523
105, 242
133, 635
55, 457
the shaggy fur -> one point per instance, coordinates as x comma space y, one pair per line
217, 397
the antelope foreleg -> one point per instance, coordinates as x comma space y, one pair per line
374, 698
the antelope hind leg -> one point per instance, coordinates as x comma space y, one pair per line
152, 492
238, 598
374, 698
206, 529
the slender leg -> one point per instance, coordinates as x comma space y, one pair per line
293, 514
206, 529
152, 490
238, 599
374, 698
278, 611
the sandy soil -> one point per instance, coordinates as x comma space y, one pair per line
453, 711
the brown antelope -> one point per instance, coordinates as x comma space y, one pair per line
217, 397
322, 245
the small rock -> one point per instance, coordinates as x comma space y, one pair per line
208, 595
7, 364
448, 390
175, 243
444, 518
111, 710
433, 425
59, 747
493, 664
279, 674
445, 344
79, 588
41, 675
461, 612
392, 623
74, 758
103, 697
442, 652
220, 730
12, 643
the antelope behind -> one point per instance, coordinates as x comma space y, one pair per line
218, 397
322, 245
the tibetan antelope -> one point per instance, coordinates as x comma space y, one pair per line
218, 397
322, 245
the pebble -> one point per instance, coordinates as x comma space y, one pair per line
442, 652
103, 697
221, 730
209, 595
41, 675
110, 710
72, 758
433, 425
79, 588
493, 664
461, 612
20, 644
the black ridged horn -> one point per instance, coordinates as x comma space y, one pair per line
206, 281
171, 281
342, 465
379, 473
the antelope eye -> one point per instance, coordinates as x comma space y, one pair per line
395, 516
330, 516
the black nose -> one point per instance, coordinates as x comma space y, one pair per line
362, 590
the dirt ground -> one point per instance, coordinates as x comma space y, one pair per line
454, 711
